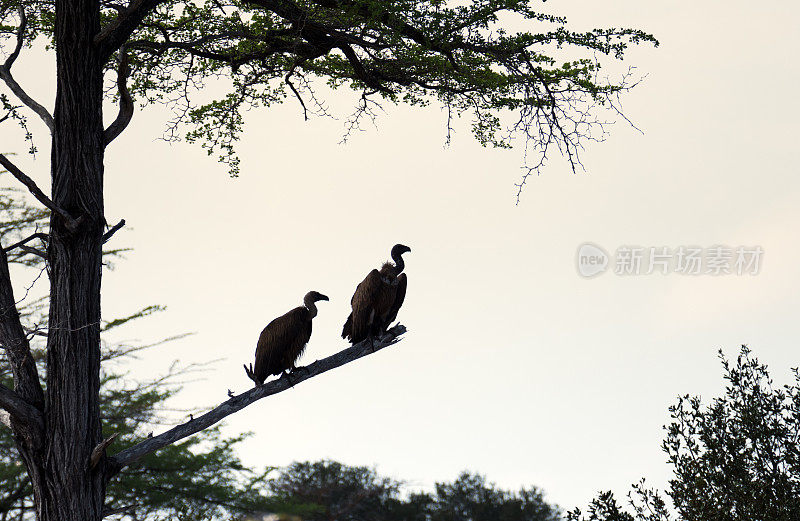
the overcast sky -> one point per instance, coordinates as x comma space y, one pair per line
514, 365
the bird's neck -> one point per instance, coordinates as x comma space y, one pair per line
399, 265
312, 308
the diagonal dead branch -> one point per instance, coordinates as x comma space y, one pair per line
71, 223
239, 402
125, 101
5, 75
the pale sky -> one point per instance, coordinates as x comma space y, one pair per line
514, 365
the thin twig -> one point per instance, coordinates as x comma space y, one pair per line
121, 510
113, 230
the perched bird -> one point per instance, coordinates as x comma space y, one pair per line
377, 299
282, 342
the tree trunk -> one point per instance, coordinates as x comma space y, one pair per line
65, 488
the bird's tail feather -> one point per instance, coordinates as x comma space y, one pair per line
347, 330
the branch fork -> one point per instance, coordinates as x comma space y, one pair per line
70, 222
100, 449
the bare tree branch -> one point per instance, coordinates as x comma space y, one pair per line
34, 251
5, 75
288, 80
21, 413
361, 72
23, 23
15, 342
115, 34
100, 450
110, 233
125, 101
239, 402
121, 510
71, 223
37, 235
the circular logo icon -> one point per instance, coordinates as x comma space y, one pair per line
592, 260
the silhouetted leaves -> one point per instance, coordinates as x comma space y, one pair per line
736, 459
345, 493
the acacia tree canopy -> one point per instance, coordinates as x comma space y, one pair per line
399, 51
164, 51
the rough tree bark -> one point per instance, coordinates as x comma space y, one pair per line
65, 488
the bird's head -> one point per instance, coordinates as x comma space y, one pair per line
314, 296
399, 249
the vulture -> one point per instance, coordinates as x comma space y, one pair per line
377, 299
282, 342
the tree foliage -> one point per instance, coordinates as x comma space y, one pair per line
470, 497
261, 52
336, 491
344, 493
735, 459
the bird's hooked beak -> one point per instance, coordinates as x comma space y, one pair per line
322, 297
